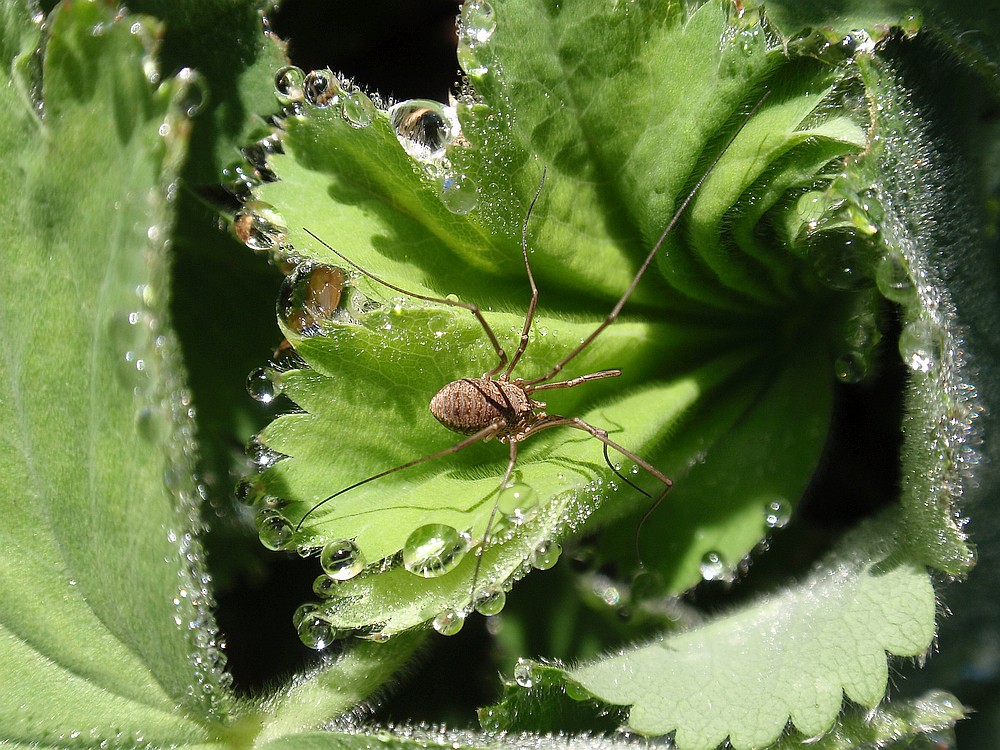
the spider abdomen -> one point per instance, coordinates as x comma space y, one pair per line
469, 405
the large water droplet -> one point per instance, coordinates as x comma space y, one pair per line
524, 673
321, 88
491, 602
309, 297
274, 529
843, 259
288, 83
472, 56
324, 587
448, 622
477, 21
433, 550
921, 345
357, 109
892, 276
314, 631
545, 555
518, 503
424, 128
258, 226
342, 559
459, 193
264, 385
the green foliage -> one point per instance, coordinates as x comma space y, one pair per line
96, 446
829, 214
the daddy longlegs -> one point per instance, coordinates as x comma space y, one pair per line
496, 406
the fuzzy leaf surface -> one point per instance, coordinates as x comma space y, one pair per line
105, 628
703, 373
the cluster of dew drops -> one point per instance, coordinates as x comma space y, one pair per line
313, 296
840, 240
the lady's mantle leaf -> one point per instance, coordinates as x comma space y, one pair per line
699, 357
793, 656
105, 622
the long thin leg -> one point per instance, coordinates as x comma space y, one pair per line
492, 518
575, 422
649, 257
529, 389
629, 482
523, 343
602, 435
461, 445
474, 309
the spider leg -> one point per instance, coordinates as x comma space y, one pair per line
474, 309
548, 422
492, 518
483, 434
530, 316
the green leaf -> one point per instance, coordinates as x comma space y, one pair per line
333, 690
542, 698
791, 657
966, 28
223, 41
707, 378
106, 622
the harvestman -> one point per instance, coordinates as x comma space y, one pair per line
494, 405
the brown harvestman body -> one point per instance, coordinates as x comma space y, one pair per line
501, 406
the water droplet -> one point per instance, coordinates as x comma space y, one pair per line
472, 56
357, 109
577, 692
288, 84
434, 550
546, 555
258, 226
777, 514
248, 491
858, 42
920, 345
376, 637
274, 529
518, 503
842, 258
911, 23
892, 276
448, 622
851, 366
477, 21
459, 193
342, 559
712, 568
264, 385
263, 456
314, 631
321, 88
491, 602
324, 586
524, 673
193, 92
309, 297
424, 128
